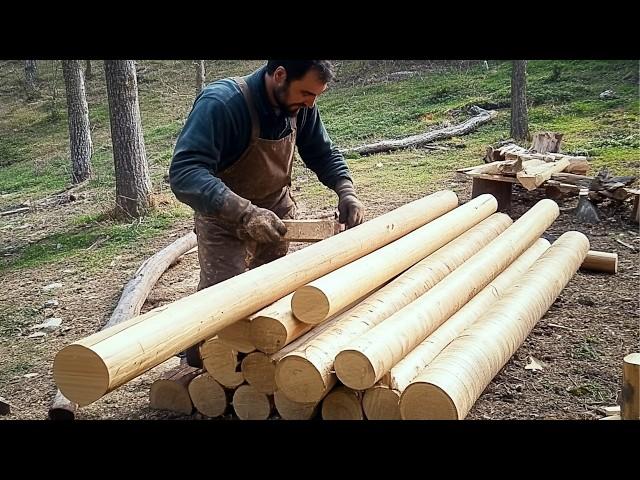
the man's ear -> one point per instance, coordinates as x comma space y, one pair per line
280, 75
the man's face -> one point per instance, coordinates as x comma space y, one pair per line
294, 95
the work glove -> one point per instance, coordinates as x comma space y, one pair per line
250, 221
350, 209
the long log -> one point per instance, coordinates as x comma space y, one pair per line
467, 126
250, 404
221, 361
322, 298
630, 409
290, 410
208, 396
364, 361
133, 297
88, 369
306, 375
449, 387
342, 403
171, 391
420, 357
531, 178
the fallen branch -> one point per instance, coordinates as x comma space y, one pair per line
482, 116
133, 297
11, 212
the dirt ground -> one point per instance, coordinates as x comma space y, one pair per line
580, 342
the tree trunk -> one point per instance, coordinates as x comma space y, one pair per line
133, 184
199, 75
30, 76
88, 74
79, 131
519, 118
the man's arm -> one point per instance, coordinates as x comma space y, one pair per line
323, 158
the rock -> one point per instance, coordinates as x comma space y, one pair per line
37, 334
68, 270
50, 324
51, 303
586, 301
608, 94
51, 286
31, 375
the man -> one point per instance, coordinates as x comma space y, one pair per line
233, 159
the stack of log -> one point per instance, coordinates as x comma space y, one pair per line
414, 329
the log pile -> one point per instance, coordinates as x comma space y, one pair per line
409, 315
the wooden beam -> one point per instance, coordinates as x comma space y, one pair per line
342, 403
89, 368
305, 375
208, 396
450, 385
310, 230
364, 361
171, 391
532, 177
630, 409
324, 297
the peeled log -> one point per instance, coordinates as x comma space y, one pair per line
449, 387
364, 361
171, 392
88, 369
306, 374
601, 262
260, 372
221, 362
290, 410
208, 396
631, 387
318, 300
381, 402
420, 357
250, 404
342, 404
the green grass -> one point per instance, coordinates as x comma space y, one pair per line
563, 96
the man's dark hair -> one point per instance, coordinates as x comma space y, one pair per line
298, 68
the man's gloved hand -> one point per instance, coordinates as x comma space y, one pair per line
251, 222
350, 209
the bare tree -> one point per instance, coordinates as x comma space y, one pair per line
88, 74
30, 77
199, 75
79, 131
519, 117
133, 184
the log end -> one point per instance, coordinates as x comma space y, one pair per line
80, 374
290, 410
310, 305
355, 369
381, 403
208, 396
300, 380
259, 371
169, 395
268, 334
342, 404
426, 401
250, 404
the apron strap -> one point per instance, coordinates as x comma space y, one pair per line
246, 93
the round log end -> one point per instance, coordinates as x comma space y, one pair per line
342, 404
259, 371
268, 334
310, 305
80, 374
250, 404
355, 370
208, 396
381, 403
425, 401
300, 380
290, 410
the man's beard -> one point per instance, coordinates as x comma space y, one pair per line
280, 95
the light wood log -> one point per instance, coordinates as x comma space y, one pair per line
420, 357
544, 142
307, 374
504, 167
342, 403
601, 262
290, 410
171, 391
310, 230
322, 298
532, 177
259, 370
630, 409
364, 361
250, 404
208, 396
89, 368
448, 388
237, 336
381, 402
221, 361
